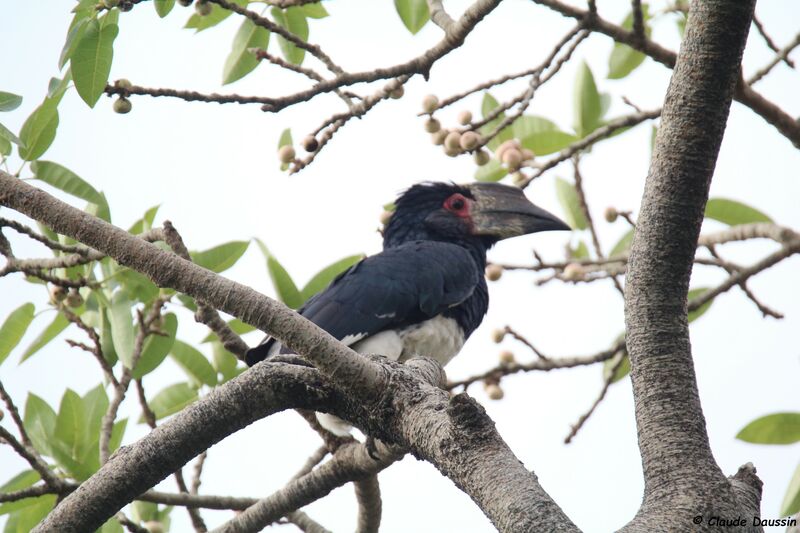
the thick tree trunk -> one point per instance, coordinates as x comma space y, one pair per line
681, 476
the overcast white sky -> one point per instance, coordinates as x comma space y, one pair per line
214, 171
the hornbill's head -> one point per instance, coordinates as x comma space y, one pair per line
480, 212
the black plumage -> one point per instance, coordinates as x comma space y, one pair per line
426, 290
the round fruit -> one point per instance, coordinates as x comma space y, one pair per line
397, 93
122, 83
310, 144
74, 298
527, 155
385, 217
506, 357
57, 293
439, 137
464, 118
481, 157
494, 392
432, 125
286, 153
122, 105
610, 214
573, 272
203, 8
430, 103
494, 272
506, 145
469, 140
498, 335
453, 141
512, 158
452, 152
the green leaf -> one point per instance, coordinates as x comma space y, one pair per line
39, 130
217, 15
568, 197
9, 101
488, 105
294, 20
23, 480
587, 106
163, 7
777, 428
791, 501
540, 135
581, 251
144, 511
697, 313
58, 325
8, 136
222, 257
13, 329
76, 30
491, 171
241, 61
111, 526
64, 179
324, 277
286, 138
40, 423
5, 144
122, 331
24, 520
623, 245
95, 405
156, 347
314, 11
91, 60
116, 434
171, 400
413, 13
106, 337
733, 213
137, 286
194, 363
624, 59
225, 363
285, 287
622, 370
70, 428
146, 222
236, 325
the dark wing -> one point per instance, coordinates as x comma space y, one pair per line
397, 287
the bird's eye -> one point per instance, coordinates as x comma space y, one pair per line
456, 204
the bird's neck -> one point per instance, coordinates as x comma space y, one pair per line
476, 246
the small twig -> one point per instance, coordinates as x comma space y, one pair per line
770, 43
14, 412
516, 335
589, 221
198, 472
368, 496
782, 55
597, 135
33, 459
584, 417
130, 525
544, 365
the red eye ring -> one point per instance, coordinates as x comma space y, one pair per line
457, 204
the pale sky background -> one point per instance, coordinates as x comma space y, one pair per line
215, 173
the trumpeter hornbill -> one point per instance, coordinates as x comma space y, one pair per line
425, 293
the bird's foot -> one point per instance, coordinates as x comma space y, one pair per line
372, 450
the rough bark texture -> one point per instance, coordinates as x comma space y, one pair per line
402, 404
681, 475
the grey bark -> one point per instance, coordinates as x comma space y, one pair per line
681, 476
